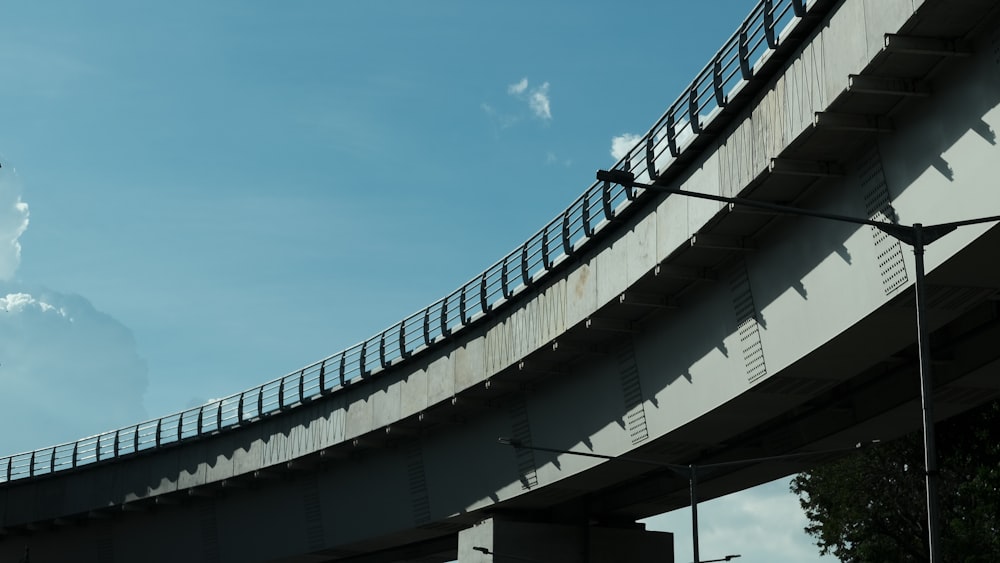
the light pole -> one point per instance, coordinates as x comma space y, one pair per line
690, 471
917, 236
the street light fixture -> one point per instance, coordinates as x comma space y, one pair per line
690, 471
917, 236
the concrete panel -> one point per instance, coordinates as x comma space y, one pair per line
470, 364
581, 294
440, 380
360, 413
736, 166
611, 269
551, 314
884, 16
249, 457
192, 470
641, 242
705, 179
849, 34
385, 399
415, 393
803, 89
692, 362
672, 226
769, 122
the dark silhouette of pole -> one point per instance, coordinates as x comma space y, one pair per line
917, 236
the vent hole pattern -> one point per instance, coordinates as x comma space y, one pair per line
888, 251
747, 326
521, 431
635, 413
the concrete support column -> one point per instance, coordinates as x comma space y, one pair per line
509, 541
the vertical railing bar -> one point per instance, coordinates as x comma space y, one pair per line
403, 352
343, 368
427, 326
483, 298
743, 53
381, 350
693, 118
525, 276
772, 42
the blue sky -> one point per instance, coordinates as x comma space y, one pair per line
198, 197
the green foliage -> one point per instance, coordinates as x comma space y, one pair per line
871, 506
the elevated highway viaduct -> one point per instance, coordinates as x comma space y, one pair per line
637, 324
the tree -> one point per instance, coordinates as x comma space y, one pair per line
871, 506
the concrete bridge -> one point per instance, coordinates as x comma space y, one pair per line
635, 324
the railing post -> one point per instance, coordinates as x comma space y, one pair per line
322, 378
10, 467
772, 41
239, 409
403, 353
381, 350
180, 426
135, 440
363, 360
302, 386
200, 421
114, 449
504, 289
524, 265
672, 134
76, 446
483, 298
567, 243
281, 393
546, 261
159, 430
720, 96
606, 200
260, 401
427, 326
31, 465
693, 110
444, 318
218, 417
52, 461
343, 368
744, 53
588, 229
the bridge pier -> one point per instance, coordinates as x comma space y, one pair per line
504, 540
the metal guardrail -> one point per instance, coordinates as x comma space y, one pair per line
768, 26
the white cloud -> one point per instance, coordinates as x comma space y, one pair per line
518, 88
66, 369
537, 98
13, 221
764, 523
623, 143
539, 102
